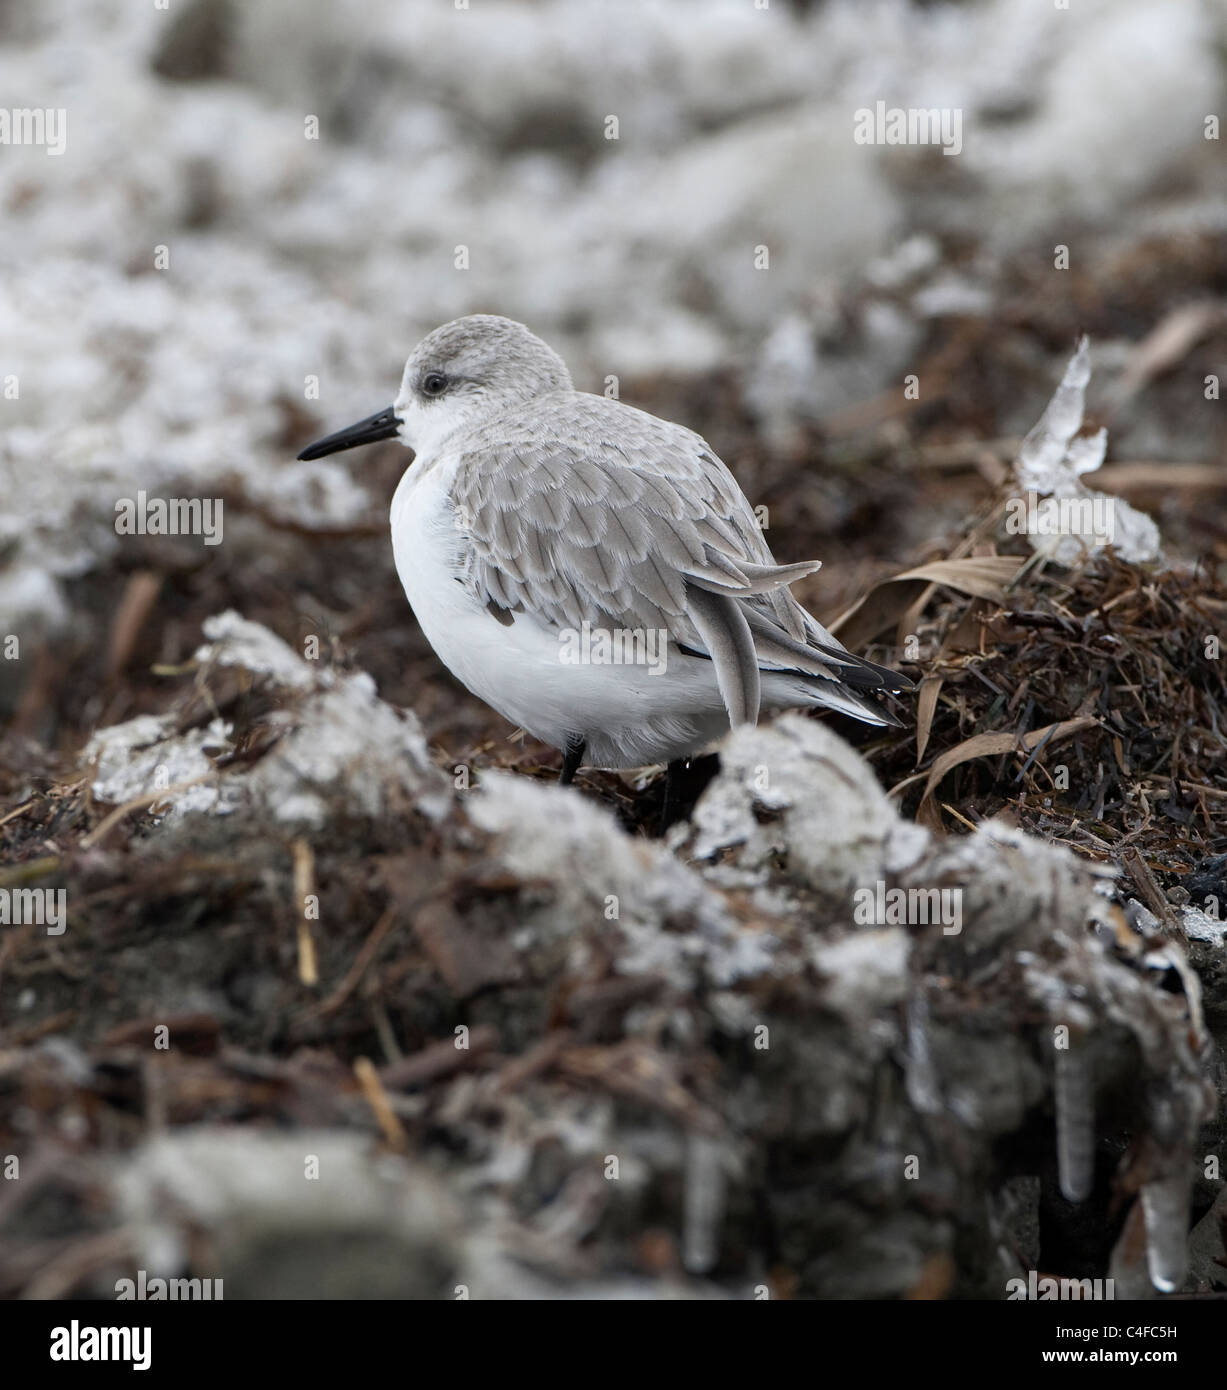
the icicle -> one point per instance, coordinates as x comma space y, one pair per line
703, 1209
1165, 1204
921, 1080
1127, 1268
1075, 1124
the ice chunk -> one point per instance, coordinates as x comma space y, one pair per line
341, 749
1061, 517
145, 755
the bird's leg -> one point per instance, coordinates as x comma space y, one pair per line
685, 781
572, 756
674, 774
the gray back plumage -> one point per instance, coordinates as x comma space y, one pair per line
577, 508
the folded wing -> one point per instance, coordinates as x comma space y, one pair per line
587, 510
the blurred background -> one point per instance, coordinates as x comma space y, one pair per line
260, 208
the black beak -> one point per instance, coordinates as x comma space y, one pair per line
368, 431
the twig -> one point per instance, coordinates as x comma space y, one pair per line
361, 961
304, 888
377, 1099
139, 803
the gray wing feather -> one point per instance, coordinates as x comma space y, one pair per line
721, 623
747, 578
559, 520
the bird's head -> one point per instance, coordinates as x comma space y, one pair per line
465, 372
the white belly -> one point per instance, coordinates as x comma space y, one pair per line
627, 715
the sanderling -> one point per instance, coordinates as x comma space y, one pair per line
591, 572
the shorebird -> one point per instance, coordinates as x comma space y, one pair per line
593, 573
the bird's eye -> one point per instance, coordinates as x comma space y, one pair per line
434, 384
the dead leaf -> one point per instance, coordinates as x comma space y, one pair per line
981, 576
926, 705
881, 608
905, 595
467, 961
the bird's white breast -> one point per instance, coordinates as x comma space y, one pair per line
426, 547
511, 667
627, 717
